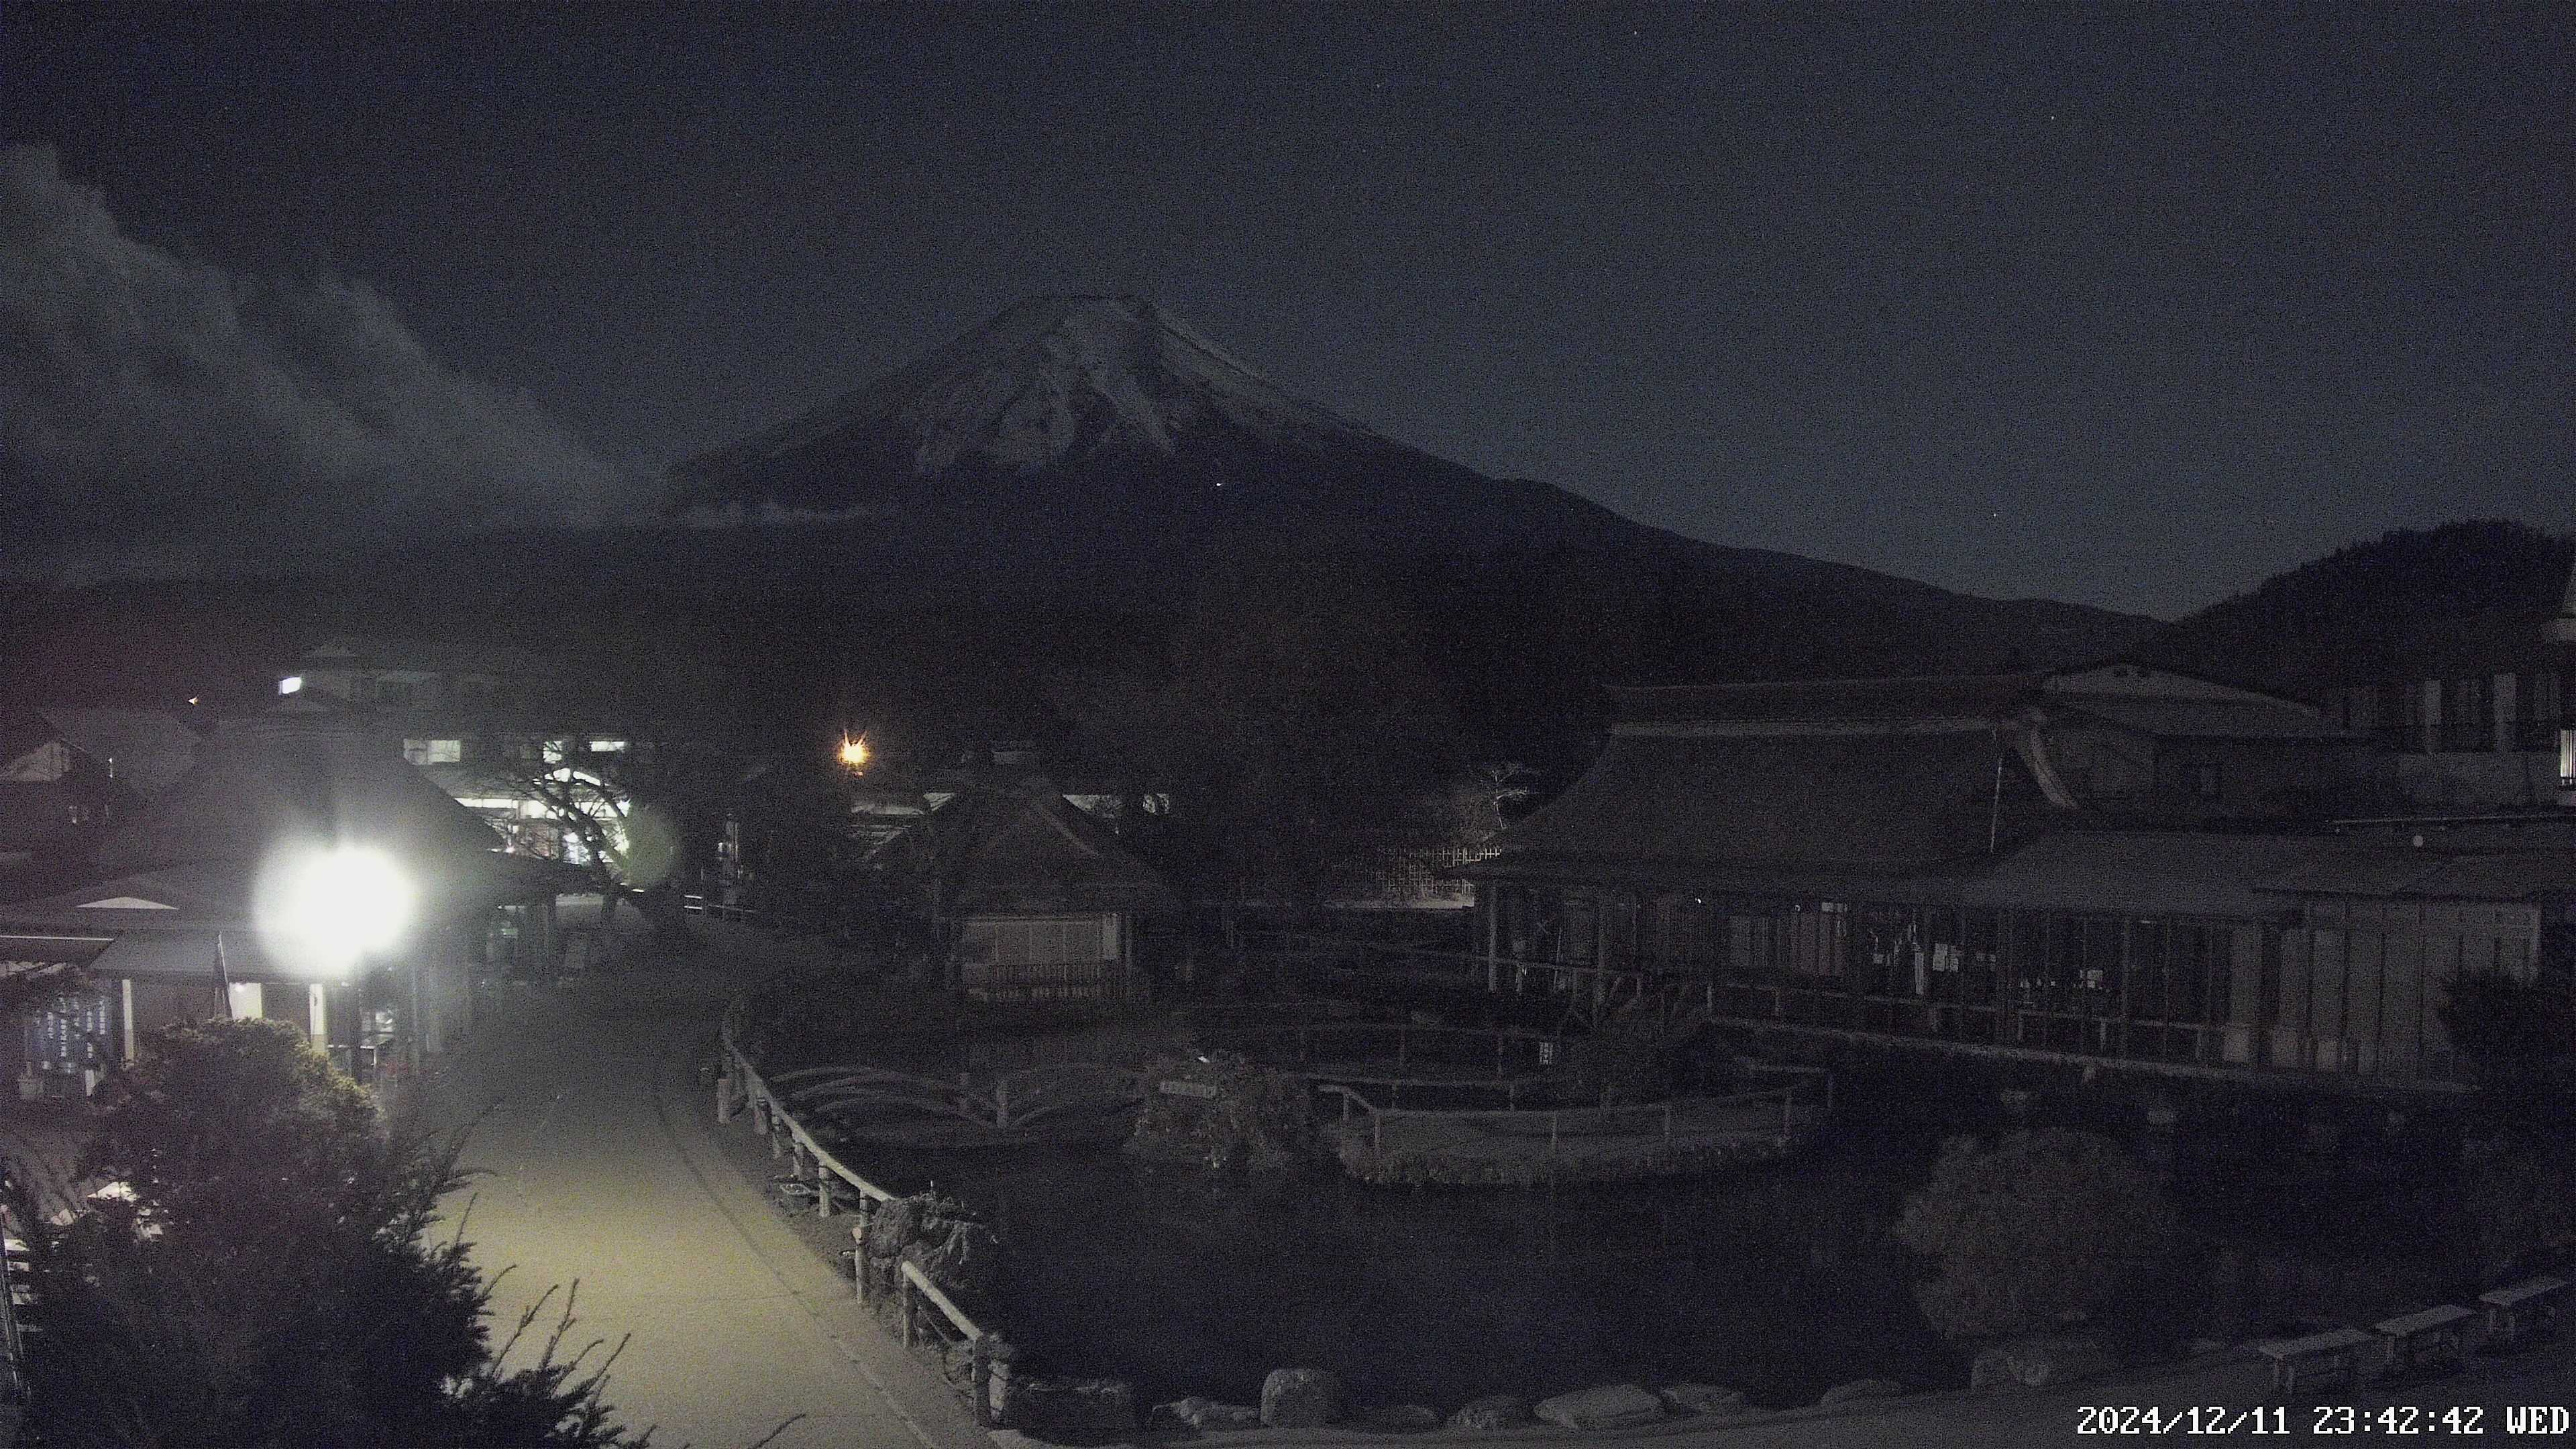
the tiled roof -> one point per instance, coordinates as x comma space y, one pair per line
1879, 803
2144, 873
1960, 696
266, 778
2206, 719
149, 749
2345, 869
1028, 849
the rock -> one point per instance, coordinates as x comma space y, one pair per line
1705, 1399
1612, 1406
1066, 1406
1493, 1411
2037, 1363
1195, 1412
1862, 1389
1300, 1398
1397, 1419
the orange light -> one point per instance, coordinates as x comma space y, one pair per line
854, 753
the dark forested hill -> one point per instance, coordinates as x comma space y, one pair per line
2471, 593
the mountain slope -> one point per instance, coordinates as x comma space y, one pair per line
1102, 441
2472, 595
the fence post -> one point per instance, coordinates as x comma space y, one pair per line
859, 1254
822, 1189
979, 1378
724, 1090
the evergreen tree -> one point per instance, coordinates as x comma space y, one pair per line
268, 1275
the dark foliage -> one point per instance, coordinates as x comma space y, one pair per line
2039, 1230
268, 1276
2509, 1026
2409, 599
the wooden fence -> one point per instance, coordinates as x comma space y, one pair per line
1808, 1087
922, 1307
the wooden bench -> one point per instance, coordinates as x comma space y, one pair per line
2337, 1351
2524, 1312
2432, 1338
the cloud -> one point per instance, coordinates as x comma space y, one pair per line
161, 414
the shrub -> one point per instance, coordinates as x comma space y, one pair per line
2041, 1228
1258, 1118
270, 1279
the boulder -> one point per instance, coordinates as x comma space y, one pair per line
1397, 1419
2037, 1363
1300, 1398
1493, 1411
1612, 1406
1196, 1412
1705, 1399
1066, 1406
1862, 1389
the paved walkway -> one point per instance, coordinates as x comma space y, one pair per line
597, 1166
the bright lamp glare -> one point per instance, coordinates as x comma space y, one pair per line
854, 753
320, 910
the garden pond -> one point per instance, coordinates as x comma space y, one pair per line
1779, 1280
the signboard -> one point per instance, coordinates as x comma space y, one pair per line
1187, 1089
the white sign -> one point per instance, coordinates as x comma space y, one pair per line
1188, 1089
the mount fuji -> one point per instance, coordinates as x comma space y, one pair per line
1118, 411
1101, 444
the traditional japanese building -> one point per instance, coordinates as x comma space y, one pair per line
2116, 864
69, 775
168, 923
1034, 898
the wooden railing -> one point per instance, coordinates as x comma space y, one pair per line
1562, 1124
739, 1086
1604, 986
1015, 1099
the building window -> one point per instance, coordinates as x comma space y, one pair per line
607, 747
2409, 717
2466, 721
2204, 781
2567, 759
554, 751
433, 752
2535, 724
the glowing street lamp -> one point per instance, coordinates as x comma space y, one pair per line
320, 910
854, 753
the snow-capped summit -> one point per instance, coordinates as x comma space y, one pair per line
1053, 382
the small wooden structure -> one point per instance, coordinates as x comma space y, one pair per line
2433, 1338
2524, 1312
2336, 1353
1034, 899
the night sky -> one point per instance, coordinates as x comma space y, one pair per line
2132, 306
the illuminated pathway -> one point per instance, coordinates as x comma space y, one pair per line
597, 1166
